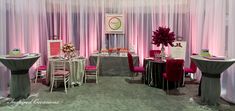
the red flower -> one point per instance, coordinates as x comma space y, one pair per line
163, 36
110, 50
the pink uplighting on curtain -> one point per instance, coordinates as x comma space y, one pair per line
81, 22
28, 24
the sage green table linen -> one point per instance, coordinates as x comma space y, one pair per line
77, 71
114, 65
210, 82
20, 82
76, 68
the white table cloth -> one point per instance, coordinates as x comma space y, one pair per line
76, 67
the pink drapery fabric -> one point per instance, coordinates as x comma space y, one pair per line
82, 23
30, 23
228, 77
27, 24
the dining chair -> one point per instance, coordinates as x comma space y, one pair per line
134, 69
174, 71
190, 70
153, 52
92, 70
53, 50
59, 73
40, 72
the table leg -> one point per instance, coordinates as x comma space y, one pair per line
210, 88
20, 86
199, 88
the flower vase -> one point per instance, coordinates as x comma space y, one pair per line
163, 55
67, 56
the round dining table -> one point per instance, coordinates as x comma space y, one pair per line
19, 67
153, 74
211, 69
75, 66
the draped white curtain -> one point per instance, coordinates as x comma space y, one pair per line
228, 78
82, 22
27, 24
4, 75
207, 27
207, 23
212, 26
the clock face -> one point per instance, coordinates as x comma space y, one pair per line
115, 23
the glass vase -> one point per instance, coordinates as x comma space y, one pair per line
163, 54
67, 56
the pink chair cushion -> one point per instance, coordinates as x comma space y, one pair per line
89, 68
61, 73
138, 69
189, 70
165, 76
42, 68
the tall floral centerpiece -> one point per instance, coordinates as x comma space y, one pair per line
162, 36
69, 50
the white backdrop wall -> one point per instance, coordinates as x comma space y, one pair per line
82, 22
4, 74
27, 24
228, 77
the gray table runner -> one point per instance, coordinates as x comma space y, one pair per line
114, 65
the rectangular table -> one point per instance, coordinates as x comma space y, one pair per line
114, 65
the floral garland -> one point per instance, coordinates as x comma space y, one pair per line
163, 36
69, 50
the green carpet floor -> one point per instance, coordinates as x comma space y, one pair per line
112, 94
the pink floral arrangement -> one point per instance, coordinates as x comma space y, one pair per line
163, 36
69, 50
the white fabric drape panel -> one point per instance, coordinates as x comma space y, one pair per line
207, 27
27, 24
207, 20
228, 78
76, 21
214, 27
91, 26
4, 73
23, 26
82, 22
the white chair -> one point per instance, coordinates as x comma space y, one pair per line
40, 71
53, 50
59, 73
92, 70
